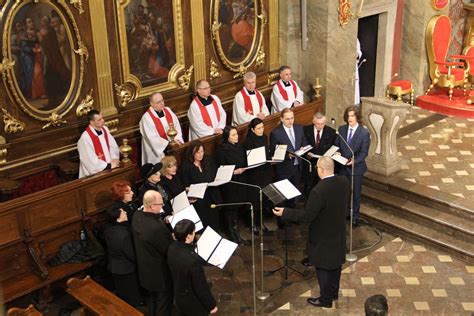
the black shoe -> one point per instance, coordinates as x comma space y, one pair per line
306, 262
316, 302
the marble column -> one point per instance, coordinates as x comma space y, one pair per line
383, 117
413, 59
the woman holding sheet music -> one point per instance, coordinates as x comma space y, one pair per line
170, 181
261, 176
230, 152
200, 168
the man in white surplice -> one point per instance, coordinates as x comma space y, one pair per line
206, 114
249, 103
97, 148
154, 127
286, 93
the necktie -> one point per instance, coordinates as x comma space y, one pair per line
292, 138
350, 136
318, 139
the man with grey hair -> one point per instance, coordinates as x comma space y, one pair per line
286, 93
152, 239
325, 212
249, 103
154, 127
206, 114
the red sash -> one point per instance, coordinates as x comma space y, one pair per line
99, 151
159, 126
205, 115
283, 92
248, 102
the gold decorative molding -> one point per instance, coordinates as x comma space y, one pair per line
199, 41
214, 70
259, 22
345, 12
11, 124
125, 93
82, 51
185, 80
260, 60
86, 104
55, 120
3, 150
273, 39
242, 70
176, 69
10, 80
112, 125
272, 78
78, 5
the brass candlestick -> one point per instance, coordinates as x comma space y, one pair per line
125, 150
317, 88
172, 132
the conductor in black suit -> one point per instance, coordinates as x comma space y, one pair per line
191, 291
152, 239
290, 134
321, 138
325, 211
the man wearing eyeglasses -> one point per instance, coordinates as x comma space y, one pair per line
152, 238
154, 126
206, 114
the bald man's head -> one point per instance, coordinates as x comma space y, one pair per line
152, 201
325, 166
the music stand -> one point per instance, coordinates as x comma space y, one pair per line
277, 196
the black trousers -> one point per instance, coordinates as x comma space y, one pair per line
328, 284
160, 303
126, 286
357, 192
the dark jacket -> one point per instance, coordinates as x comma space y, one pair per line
360, 143
121, 252
147, 185
191, 291
129, 208
261, 176
172, 187
233, 154
152, 238
325, 213
328, 139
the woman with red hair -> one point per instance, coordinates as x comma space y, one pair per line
123, 195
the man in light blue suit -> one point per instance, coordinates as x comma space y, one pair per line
358, 139
290, 134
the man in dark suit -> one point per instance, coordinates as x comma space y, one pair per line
358, 139
325, 211
152, 238
290, 134
321, 138
191, 291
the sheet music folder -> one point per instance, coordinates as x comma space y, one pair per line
281, 191
215, 249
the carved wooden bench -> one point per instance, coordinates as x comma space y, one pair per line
29, 311
97, 300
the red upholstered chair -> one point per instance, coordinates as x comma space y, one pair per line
400, 88
443, 73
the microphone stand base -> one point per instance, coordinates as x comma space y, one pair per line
262, 295
351, 257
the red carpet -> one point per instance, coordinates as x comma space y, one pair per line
438, 101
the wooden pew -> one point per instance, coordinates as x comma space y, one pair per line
33, 227
97, 300
29, 311
303, 116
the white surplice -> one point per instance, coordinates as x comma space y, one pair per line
239, 115
279, 103
197, 127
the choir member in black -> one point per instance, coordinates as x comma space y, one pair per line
123, 196
191, 291
151, 181
170, 181
152, 239
230, 152
200, 168
261, 176
121, 256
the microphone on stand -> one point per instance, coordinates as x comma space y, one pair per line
360, 64
253, 248
296, 156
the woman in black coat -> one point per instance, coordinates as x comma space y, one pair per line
121, 255
170, 181
230, 152
261, 176
123, 196
200, 168
152, 181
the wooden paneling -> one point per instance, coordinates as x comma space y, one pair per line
13, 262
9, 228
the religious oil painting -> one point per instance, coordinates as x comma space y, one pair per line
40, 46
150, 40
237, 29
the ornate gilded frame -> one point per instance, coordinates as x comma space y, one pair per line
256, 52
79, 54
131, 84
